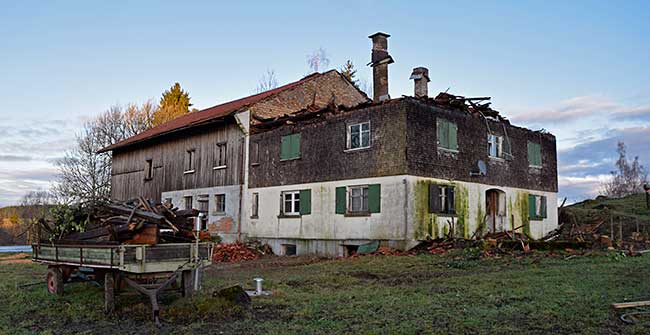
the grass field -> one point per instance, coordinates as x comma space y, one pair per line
456, 293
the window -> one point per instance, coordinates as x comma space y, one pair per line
148, 169
290, 147
255, 153
536, 207
363, 199
534, 154
188, 202
291, 203
220, 156
359, 136
255, 205
358, 199
447, 135
441, 199
220, 203
203, 209
189, 161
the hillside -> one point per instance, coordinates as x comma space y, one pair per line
12, 222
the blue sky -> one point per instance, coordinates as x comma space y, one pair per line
579, 69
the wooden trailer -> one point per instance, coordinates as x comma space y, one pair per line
149, 269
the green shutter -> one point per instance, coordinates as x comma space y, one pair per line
305, 202
443, 133
453, 139
434, 198
450, 200
506, 147
531, 207
534, 154
374, 198
340, 200
295, 145
544, 207
285, 149
538, 154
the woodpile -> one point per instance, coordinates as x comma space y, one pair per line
137, 221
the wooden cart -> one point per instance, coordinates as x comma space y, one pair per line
147, 269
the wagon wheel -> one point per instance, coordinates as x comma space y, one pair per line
54, 280
109, 292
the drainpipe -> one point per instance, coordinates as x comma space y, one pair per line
241, 187
406, 203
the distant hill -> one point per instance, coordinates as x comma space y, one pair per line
13, 222
633, 206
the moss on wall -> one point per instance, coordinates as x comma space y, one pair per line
521, 209
480, 217
426, 224
461, 200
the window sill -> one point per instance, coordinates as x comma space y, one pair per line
218, 213
289, 216
189, 172
498, 159
357, 149
289, 159
254, 217
148, 179
448, 150
356, 214
535, 166
219, 167
255, 164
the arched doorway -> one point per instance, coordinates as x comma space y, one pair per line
495, 204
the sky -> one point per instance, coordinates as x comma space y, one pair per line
579, 69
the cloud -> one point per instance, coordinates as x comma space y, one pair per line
641, 113
15, 158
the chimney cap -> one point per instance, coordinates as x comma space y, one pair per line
419, 73
379, 33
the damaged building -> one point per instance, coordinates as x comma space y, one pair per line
317, 167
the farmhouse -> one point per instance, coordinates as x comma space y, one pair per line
316, 167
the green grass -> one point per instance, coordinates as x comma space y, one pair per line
454, 293
633, 207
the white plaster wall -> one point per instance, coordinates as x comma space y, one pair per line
323, 222
476, 209
232, 204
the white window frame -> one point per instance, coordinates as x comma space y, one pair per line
495, 142
538, 206
218, 162
216, 203
190, 156
363, 197
294, 198
361, 132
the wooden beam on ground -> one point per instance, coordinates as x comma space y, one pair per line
632, 304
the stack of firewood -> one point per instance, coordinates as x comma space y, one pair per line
138, 221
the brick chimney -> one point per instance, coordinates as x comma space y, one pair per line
379, 63
420, 76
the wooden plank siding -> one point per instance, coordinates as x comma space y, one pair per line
169, 158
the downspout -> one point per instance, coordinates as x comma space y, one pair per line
241, 188
406, 202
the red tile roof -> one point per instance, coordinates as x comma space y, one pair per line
204, 116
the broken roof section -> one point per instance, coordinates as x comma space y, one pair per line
313, 91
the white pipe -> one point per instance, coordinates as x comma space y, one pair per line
258, 285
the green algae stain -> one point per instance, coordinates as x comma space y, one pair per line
521, 208
461, 201
480, 217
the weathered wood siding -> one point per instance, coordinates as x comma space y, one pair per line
169, 158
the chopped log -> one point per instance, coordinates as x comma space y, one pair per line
632, 304
149, 234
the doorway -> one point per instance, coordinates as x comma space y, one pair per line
495, 204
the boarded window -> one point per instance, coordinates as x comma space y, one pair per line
189, 160
441, 199
537, 207
255, 153
290, 147
148, 170
359, 135
447, 135
534, 154
220, 203
255, 205
220, 155
188, 202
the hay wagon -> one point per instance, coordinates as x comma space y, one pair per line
149, 269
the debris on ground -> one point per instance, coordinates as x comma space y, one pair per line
234, 295
240, 251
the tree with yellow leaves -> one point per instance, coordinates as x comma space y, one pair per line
174, 103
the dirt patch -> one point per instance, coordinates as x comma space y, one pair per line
20, 258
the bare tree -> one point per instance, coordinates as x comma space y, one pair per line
318, 60
365, 86
630, 177
85, 175
267, 82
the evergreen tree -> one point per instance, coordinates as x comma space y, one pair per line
349, 73
174, 103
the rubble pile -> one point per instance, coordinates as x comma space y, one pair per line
138, 221
240, 251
